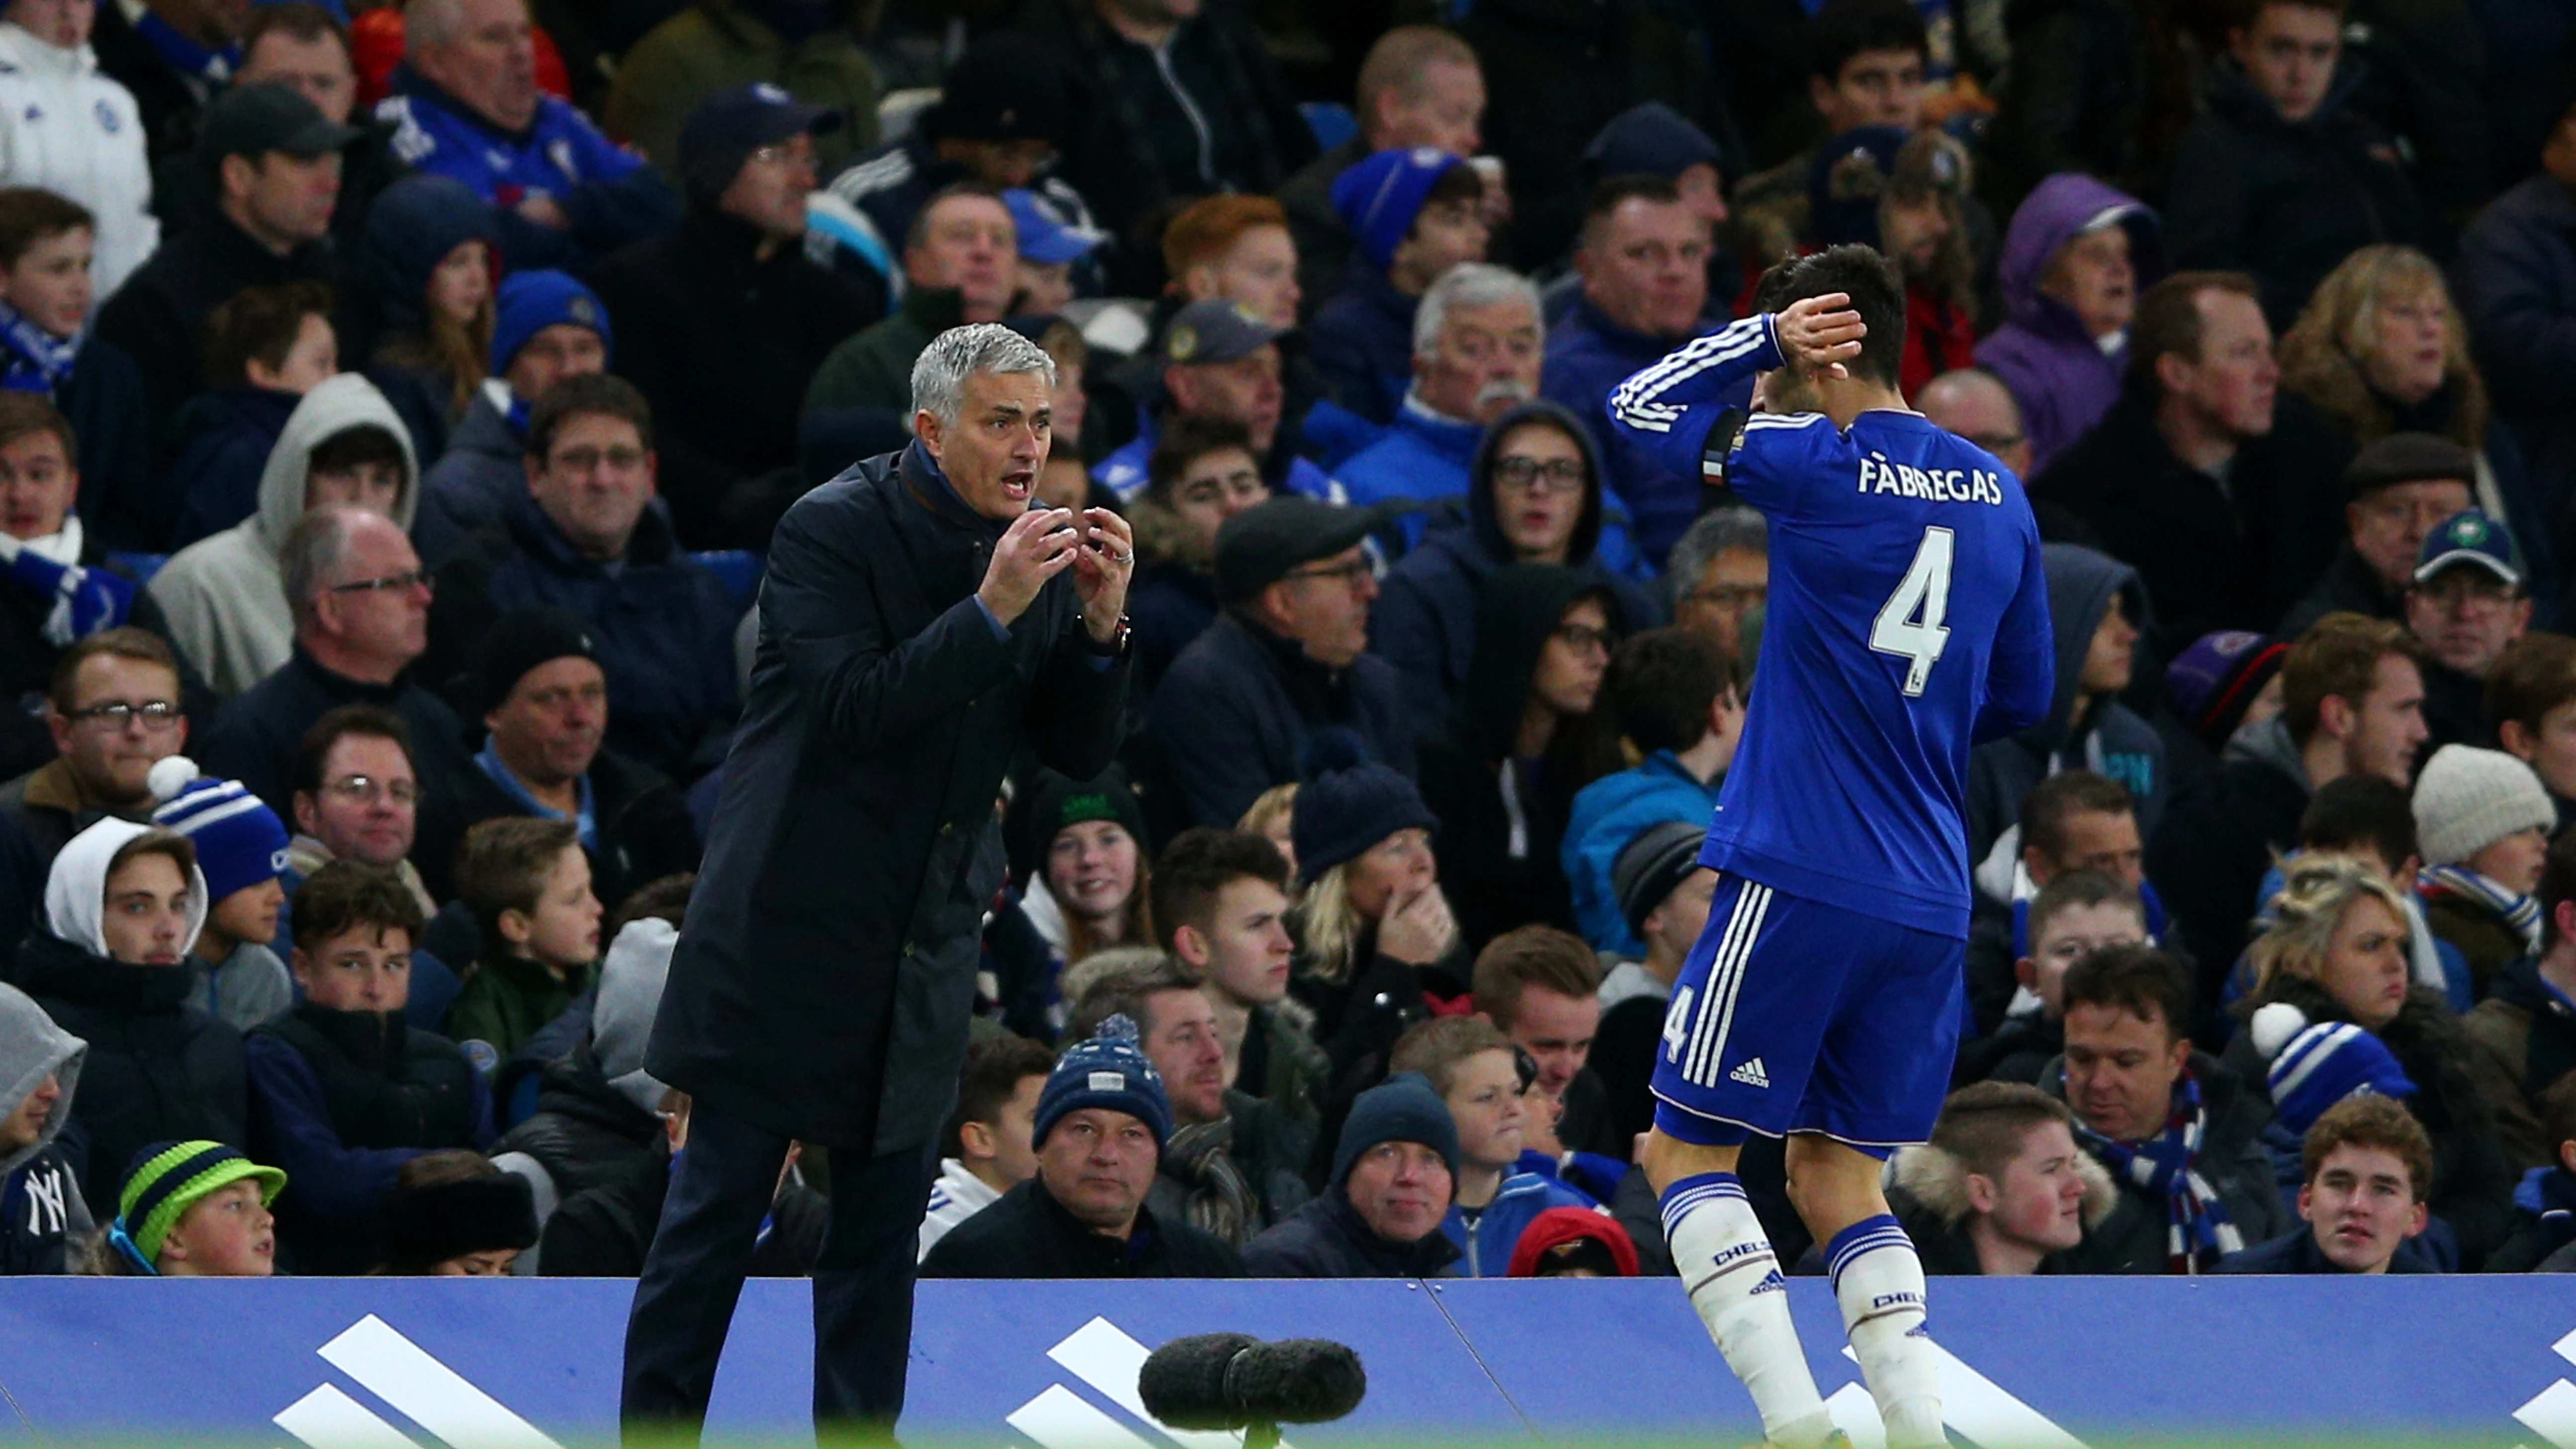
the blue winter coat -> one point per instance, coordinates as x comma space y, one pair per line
1587, 356
1485, 1245
471, 485
1362, 339
1422, 455
1609, 813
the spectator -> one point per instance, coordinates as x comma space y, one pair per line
1477, 338
1374, 932
223, 595
528, 884
809, 51
2073, 259
275, 163
2075, 915
1419, 86
1219, 360
2525, 698
1473, 1067
586, 538
361, 612
1085, 1214
1652, 139
306, 46
465, 104
1520, 740
1237, 249
47, 256
2467, 606
1412, 215
2483, 820
241, 852
1663, 899
2000, 1190
73, 130
546, 327
342, 1091
1674, 698
1203, 471
1393, 1181
2401, 488
43, 1218
427, 271
1572, 1242
1167, 105
1720, 572
603, 1231
2352, 703
1234, 1164
113, 710
1289, 657
2200, 402
2366, 1166
1543, 988
2366, 819
1001, 121
266, 347
108, 963
2279, 175
542, 696
2224, 685
726, 320
455, 1215
1042, 277
1221, 907
2525, 1029
2179, 1133
2072, 821
957, 265
2517, 275
2545, 1201
1643, 257
1901, 193
194, 1210
2098, 608
1974, 403
2336, 952
356, 796
985, 1150
1079, 853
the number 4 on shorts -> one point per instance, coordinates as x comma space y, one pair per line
1677, 1024
1909, 624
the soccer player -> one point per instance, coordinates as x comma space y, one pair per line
1908, 621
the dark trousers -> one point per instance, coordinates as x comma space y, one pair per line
720, 1190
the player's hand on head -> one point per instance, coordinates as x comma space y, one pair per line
1820, 333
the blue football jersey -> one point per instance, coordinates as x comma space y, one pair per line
1908, 621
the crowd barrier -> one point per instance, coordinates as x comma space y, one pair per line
2041, 1363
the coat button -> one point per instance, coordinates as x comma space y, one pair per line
909, 949
945, 828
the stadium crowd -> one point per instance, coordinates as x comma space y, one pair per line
397, 401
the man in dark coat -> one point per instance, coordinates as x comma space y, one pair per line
1419, 85
1288, 657
1395, 1169
725, 320
2400, 488
915, 637
2517, 280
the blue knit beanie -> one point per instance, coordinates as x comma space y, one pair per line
1403, 1108
2316, 1066
1349, 803
239, 840
1378, 197
531, 302
1110, 1071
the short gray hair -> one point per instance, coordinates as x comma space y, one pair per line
1472, 284
314, 550
939, 374
1720, 530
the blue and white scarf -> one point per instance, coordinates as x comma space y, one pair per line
37, 361
2520, 912
2198, 1230
82, 600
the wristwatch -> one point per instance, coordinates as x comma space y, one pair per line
1118, 643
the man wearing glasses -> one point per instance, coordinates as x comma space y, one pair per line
113, 711
2466, 606
1287, 657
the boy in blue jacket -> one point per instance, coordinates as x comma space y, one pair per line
1476, 1071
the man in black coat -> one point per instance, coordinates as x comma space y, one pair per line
920, 627
1395, 1170
723, 322
1102, 1124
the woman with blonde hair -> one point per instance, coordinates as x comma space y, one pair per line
2336, 951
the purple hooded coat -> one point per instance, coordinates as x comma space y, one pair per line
2063, 380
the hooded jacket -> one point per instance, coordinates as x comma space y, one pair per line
2109, 739
157, 1069
473, 482
74, 131
2062, 377
42, 1212
1608, 814
2525, 1035
1930, 1197
223, 596
2209, 856
1424, 622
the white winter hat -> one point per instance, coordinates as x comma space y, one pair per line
2468, 799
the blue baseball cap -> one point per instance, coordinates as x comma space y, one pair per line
2468, 537
1378, 197
1043, 239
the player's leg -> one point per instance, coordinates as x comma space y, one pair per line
1878, 1280
1713, 1089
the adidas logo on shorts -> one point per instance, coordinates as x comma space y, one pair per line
1751, 1074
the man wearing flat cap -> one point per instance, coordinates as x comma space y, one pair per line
722, 323
1288, 656
2397, 490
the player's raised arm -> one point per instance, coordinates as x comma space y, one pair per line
1814, 334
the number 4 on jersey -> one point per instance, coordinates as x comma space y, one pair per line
1909, 624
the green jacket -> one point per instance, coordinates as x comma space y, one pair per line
714, 45
506, 1000
874, 368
